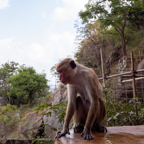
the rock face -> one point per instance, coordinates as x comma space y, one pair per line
31, 125
140, 82
141, 65
52, 122
115, 135
126, 90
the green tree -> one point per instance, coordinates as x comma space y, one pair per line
9, 117
136, 14
26, 84
110, 13
6, 71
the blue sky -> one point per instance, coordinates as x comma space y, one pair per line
38, 33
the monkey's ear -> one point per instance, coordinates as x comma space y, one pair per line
72, 64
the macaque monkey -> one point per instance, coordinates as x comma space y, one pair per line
85, 99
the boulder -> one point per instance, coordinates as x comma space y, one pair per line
31, 125
52, 122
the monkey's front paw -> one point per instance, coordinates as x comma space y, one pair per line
78, 128
60, 134
87, 135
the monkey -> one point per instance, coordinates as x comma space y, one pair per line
85, 99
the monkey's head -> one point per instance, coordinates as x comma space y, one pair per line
66, 69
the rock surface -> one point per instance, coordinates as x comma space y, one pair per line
115, 135
31, 125
32, 122
3, 101
52, 121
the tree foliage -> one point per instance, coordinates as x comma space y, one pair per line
113, 13
26, 84
136, 14
7, 70
59, 108
119, 114
9, 118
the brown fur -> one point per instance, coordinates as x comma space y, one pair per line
67, 60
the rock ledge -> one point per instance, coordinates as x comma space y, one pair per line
115, 135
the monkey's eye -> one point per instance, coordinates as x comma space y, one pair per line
60, 71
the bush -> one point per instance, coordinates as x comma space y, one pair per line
120, 114
9, 117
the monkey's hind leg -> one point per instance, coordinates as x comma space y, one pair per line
79, 117
99, 128
99, 118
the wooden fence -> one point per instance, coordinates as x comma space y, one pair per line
133, 74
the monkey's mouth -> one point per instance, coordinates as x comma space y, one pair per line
64, 82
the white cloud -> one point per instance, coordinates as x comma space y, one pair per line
69, 10
43, 14
36, 52
62, 44
6, 42
4, 4
5, 49
57, 1
11, 50
60, 13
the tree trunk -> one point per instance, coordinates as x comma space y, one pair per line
123, 44
30, 98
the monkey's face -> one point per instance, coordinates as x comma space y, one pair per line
64, 77
66, 71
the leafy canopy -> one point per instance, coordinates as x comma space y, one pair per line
110, 13
115, 14
7, 70
27, 83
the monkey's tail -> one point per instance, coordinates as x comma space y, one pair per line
103, 108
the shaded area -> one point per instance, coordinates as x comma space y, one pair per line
115, 135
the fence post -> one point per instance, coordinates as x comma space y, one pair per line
103, 75
133, 82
